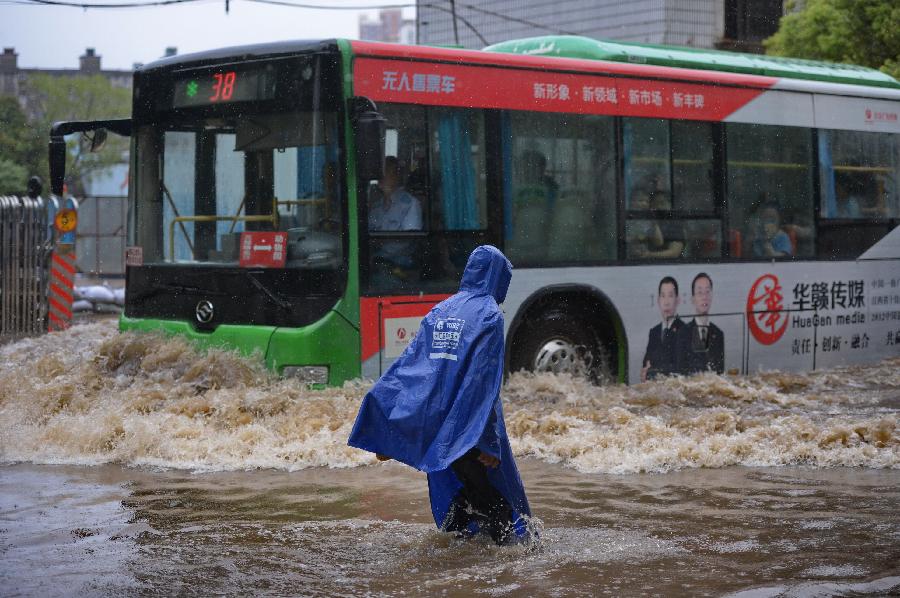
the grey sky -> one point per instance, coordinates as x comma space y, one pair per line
54, 37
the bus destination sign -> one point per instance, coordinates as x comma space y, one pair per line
223, 87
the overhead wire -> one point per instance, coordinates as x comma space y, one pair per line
456, 15
143, 3
108, 5
309, 6
516, 19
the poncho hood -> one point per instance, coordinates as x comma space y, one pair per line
487, 272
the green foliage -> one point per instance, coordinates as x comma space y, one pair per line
12, 178
21, 148
53, 99
863, 32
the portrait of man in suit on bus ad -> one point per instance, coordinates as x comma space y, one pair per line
659, 358
700, 344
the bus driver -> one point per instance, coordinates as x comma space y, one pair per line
391, 206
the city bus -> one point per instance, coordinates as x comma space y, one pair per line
310, 201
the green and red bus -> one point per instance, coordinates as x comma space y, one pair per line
599, 169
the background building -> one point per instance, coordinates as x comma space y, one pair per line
389, 26
12, 76
726, 24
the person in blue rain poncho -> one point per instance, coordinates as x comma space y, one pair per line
438, 409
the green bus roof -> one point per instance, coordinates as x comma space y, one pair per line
573, 46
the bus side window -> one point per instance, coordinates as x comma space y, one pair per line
458, 180
671, 212
559, 188
769, 178
859, 174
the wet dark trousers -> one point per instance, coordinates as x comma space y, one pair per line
478, 501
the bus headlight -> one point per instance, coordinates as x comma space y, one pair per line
312, 374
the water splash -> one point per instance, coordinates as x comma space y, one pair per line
92, 395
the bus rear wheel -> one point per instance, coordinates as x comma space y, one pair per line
558, 343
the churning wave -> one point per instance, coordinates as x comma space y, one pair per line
92, 395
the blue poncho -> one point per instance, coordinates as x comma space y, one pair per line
442, 396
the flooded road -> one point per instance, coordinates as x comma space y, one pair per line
776, 531
134, 465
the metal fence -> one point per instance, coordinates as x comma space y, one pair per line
26, 244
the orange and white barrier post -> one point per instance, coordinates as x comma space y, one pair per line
62, 269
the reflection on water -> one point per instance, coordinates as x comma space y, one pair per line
146, 467
93, 396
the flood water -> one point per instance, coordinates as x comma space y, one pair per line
135, 465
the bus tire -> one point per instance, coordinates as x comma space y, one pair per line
559, 343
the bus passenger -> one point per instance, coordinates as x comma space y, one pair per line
535, 194
534, 173
872, 192
659, 358
661, 239
671, 231
700, 345
769, 240
642, 234
846, 202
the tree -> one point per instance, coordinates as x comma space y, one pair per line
52, 99
12, 178
863, 32
21, 149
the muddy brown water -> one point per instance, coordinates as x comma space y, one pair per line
135, 465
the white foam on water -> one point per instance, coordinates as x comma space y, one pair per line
91, 395
384, 549
834, 571
818, 524
739, 546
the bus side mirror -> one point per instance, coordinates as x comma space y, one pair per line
57, 158
57, 149
97, 140
370, 127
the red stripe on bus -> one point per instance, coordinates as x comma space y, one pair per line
469, 86
370, 340
547, 63
67, 264
56, 290
60, 308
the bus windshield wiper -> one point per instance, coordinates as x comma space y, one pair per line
275, 297
176, 288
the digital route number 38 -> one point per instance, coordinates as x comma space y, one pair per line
223, 88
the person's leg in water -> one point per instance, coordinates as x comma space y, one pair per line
478, 500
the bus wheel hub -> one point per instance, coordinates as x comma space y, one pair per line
557, 356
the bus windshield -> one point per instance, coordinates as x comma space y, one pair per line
237, 165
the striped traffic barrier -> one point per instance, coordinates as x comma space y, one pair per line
61, 292
62, 284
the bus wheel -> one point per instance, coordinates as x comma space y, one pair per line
560, 344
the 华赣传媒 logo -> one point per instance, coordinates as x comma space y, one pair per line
765, 304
